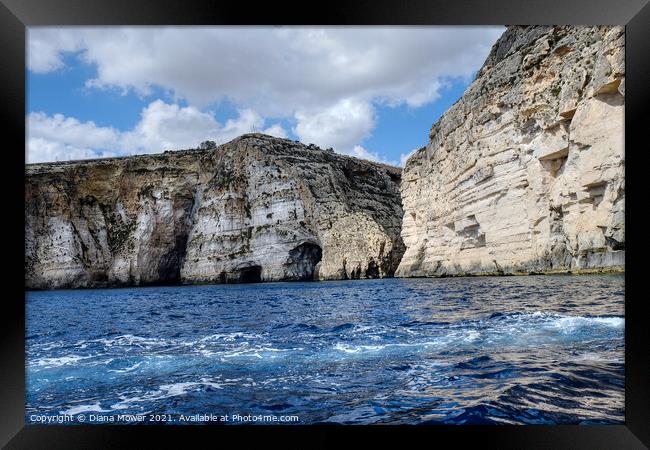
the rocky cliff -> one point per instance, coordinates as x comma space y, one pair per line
525, 173
255, 209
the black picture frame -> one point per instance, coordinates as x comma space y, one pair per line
16, 15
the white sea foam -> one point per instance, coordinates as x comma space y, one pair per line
132, 340
257, 352
591, 356
46, 346
517, 329
471, 336
127, 369
242, 353
166, 391
57, 362
347, 348
360, 348
569, 324
227, 337
95, 407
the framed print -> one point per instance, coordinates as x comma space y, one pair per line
378, 219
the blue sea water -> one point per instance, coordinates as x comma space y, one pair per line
487, 350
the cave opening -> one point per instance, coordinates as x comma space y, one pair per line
302, 261
169, 265
373, 269
251, 274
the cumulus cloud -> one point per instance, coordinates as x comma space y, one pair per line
360, 152
44, 150
165, 126
328, 80
162, 126
71, 131
276, 130
403, 157
46, 47
340, 126
273, 70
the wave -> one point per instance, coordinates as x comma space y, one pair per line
346, 348
57, 362
539, 319
165, 391
127, 369
497, 330
494, 331
258, 352
94, 407
569, 324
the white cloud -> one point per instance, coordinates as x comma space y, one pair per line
363, 153
272, 69
46, 45
60, 138
71, 131
328, 79
403, 157
162, 126
340, 126
42, 150
276, 130
166, 127
248, 122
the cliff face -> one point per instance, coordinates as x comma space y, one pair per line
525, 173
255, 209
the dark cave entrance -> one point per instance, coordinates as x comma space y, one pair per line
302, 261
251, 274
373, 269
171, 261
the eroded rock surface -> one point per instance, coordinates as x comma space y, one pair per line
255, 209
525, 173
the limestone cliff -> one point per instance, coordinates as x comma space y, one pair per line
255, 209
525, 173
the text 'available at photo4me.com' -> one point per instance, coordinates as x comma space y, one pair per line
199, 418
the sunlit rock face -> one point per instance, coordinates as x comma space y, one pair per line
525, 173
255, 209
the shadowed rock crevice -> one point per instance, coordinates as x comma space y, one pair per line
169, 268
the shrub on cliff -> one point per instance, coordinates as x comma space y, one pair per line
207, 145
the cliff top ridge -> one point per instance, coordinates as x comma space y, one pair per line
269, 143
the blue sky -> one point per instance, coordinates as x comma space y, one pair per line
371, 92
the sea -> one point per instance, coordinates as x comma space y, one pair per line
545, 349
